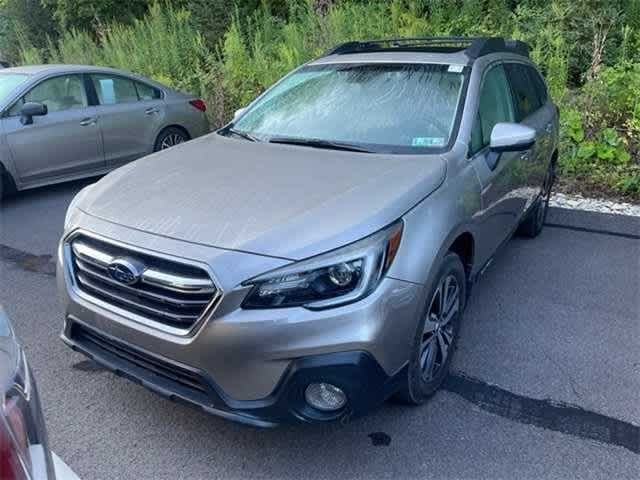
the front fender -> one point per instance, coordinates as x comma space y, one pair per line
432, 226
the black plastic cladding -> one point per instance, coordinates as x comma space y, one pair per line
473, 47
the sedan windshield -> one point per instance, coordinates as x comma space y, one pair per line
8, 83
396, 108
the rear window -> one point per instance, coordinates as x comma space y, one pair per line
526, 98
147, 92
538, 84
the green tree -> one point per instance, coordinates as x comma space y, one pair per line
213, 17
91, 14
24, 23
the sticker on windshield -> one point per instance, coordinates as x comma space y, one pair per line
455, 68
427, 141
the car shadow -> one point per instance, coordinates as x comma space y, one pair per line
40, 194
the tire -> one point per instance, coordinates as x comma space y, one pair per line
170, 137
7, 186
533, 224
428, 366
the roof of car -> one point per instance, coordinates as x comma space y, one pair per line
59, 68
394, 57
445, 50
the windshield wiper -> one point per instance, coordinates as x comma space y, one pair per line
315, 143
241, 134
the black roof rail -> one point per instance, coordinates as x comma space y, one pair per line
473, 47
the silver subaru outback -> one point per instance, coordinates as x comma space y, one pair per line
314, 257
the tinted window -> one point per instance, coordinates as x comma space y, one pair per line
477, 142
495, 106
58, 94
401, 108
112, 90
147, 92
524, 91
538, 85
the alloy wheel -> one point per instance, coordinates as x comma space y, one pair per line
439, 328
545, 196
171, 140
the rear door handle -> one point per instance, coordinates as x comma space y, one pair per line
88, 121
151, 111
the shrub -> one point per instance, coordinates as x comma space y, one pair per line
601, 130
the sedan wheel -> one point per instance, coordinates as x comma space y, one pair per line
171, 140
170, 137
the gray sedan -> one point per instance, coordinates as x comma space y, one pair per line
63, 122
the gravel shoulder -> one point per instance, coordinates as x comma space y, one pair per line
601, 205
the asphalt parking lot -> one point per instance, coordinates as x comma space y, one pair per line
545, 383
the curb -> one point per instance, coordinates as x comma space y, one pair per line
595, 222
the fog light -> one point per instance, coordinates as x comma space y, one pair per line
325, 397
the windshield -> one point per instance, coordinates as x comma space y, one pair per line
395, 108
8, 83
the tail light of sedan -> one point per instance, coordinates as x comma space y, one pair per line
199, 104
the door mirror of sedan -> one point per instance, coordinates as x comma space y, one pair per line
30, 110
511, 137
239, 113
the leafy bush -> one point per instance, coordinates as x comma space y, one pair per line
601, 130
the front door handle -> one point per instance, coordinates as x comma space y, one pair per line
88, 121
549, 127
151, 111
524, 157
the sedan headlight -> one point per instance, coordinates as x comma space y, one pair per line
335, 278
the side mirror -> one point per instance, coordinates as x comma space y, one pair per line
239, 113
511, 137
30, 110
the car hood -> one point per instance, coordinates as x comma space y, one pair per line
278, 200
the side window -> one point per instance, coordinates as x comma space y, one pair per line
58, 94
495, 106
15, 110
539, 85
113, 90
147, 92
526, 98
477, 143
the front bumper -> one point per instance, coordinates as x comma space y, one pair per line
252, 365
357, 373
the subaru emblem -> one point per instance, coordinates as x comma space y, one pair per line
125, 271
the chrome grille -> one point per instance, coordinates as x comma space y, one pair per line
167, 292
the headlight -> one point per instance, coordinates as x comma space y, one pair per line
341, 276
